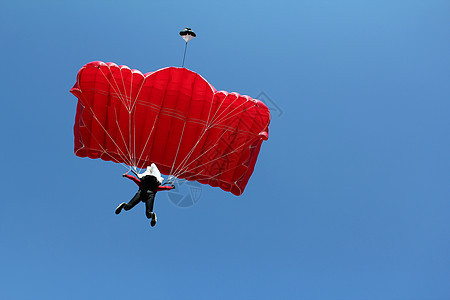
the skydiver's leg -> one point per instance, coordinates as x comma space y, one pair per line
127, 206
149, 201
134, 201
149, 208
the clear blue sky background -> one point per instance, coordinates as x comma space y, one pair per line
350, 198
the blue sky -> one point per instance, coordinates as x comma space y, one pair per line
350, 194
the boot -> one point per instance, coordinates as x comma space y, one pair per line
119, 208
153, 221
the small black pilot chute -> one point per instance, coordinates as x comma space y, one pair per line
187, 34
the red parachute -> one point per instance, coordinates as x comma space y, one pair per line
172, 117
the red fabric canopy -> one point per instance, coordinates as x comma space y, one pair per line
172, 117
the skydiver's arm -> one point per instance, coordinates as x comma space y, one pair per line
165, 187
137, 181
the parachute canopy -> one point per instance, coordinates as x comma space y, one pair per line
187, 34
171, 117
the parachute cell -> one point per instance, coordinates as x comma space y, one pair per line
171, 117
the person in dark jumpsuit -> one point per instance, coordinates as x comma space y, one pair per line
148, 187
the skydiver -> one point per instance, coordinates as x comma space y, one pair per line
149, 184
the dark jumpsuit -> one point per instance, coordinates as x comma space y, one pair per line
148, 187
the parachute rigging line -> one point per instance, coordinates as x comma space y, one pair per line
184, 56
